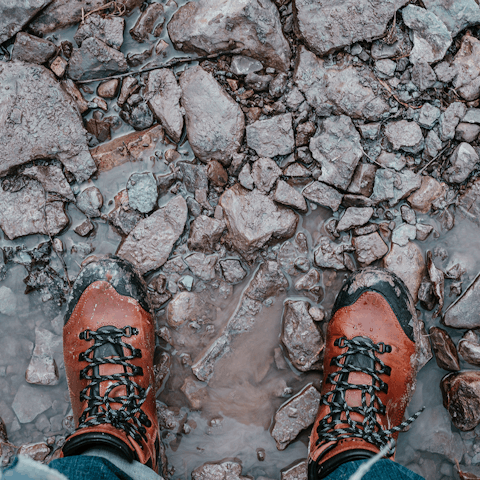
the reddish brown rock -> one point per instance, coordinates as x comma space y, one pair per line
35, 451
31, 49
444, 349
429, 191
216, 173
469, 348
147, 20
461, 398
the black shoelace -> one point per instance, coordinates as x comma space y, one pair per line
129, 417
369, 429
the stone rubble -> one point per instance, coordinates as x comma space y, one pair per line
445, 351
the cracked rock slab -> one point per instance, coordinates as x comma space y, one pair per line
295, 415
325, 26
463, 313
214, 129
253, 219
302, 339
324, 195
338, 89
109, 30
30, 92
212, 26
354, 217
336, 147
149, 244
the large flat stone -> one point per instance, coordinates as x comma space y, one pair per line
325, 26
212, 26
32, 106
214, 128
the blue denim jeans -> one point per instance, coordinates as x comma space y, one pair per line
97, 467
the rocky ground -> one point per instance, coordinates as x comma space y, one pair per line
245, 156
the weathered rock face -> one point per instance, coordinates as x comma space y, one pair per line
214, 129
430, 189
202, 266
295, 415
405, 135
354, 217
232, 270
90, 201
369, 248
325, 26
253, 219
455, 15
226, 469
32, 49
142, 191
109, 30
272, 137
34, 94
287, 195
329, 254
337, 90
323, 195
408, 263
445, 350
265, 173
267, 282
469, 348
95, 59
145, 24
14, 15
163, 97
297, 472
431, 39
463, 161
28, 210
336, 147
463, 313
52, 179
301, 337
253, 26
151, 241
461, 398
205, 232
62, 13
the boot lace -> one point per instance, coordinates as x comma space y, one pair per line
369, 429
129, 416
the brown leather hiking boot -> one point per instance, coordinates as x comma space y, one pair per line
370, 368
109, 342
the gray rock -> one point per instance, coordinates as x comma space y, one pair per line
394, 161
472, 116
467, 132
363, 179
294, 99
31, 49
30, 112
354, 217
370, 131
242, 65
456, 15
324, 195
278, 84
405, 135
329, 254
202, 266
259, 83
428, 115
232, 270
385, 67
307, 281
253, 27
141, 117
149, 244
295, 415
265, 173
423, 76
287, 195
431, 39
302, 339
272, 137
52, 179
385, 49
469, 348
205, 232
463, 161
8, 302
29, 402
268, 281
464, 71
226, 469
14, 16
463, 313
194, 176
423, 231
433, 144
429, 191
95, 59
336, 147
369, 248
90, 201
408, 215
469, 202
297, 472
253, 219
245, 177
107, 29
145, 24
122, 216
60, 14
297, 170
163, 97
403, 234
326, 26
28, 210
407, 262
338, 89
142, 191
214, 129
450, 119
